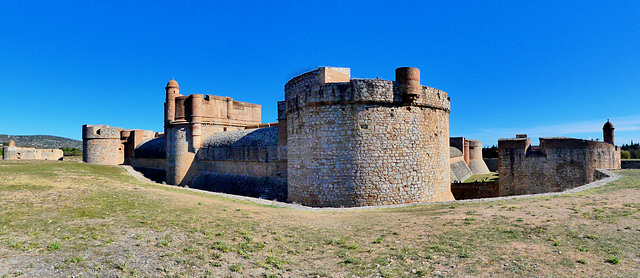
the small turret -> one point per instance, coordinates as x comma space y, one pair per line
409, 87
173, 90
607, 132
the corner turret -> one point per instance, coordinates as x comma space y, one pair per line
607, 132
173, 91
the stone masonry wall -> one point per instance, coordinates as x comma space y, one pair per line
18, 153
354, 144
102, 145
251, 152
558, 164
180, 159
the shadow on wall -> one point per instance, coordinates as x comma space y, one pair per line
268, 188
157, 175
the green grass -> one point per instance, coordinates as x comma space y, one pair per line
491, 177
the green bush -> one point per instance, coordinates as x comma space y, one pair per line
625, 154
71, 152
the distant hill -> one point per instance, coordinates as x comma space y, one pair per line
41, 141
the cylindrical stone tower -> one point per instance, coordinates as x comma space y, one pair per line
361, 142
102, 145
607, 132
196, 121
476, 163
173, 90
178, 135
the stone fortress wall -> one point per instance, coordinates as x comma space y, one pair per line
107, 145
555, 165
358, 142
338, 142
12, 152
466, 159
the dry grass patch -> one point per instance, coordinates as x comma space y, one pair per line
75, 219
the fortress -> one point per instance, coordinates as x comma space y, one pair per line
338, 142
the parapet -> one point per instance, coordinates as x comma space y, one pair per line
209, 109
570, 143
329, 85
514, 143
100, 132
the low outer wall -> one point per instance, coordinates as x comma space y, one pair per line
18, 153
243, 162
630, 164
561, 163
156, 163
245, 168
475, 190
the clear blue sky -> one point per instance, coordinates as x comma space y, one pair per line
546, 68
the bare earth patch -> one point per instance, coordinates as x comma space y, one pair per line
68, 219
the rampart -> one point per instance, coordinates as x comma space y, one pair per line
358, 142
555, 165
12, 152
460, 171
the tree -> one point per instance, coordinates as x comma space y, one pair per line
490, 152
625, 154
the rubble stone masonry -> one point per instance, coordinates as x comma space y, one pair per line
557, 164
102, 145
360, 143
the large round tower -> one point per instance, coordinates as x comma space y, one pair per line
102, 145
360, 142
476, 163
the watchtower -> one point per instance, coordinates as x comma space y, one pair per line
607, 132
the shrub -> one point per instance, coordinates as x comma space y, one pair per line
54, 245
71, 152
625, 154
613, 260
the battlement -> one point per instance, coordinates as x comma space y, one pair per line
210, 109
551, 143
327, 86
101, 132
346, 136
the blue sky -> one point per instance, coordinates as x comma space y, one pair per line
545, 68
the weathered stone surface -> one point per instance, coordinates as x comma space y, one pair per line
358, 144
557, 164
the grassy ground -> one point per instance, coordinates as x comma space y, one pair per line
491, 177
72, 219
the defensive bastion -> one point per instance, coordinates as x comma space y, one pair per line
558, 163
359, 142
